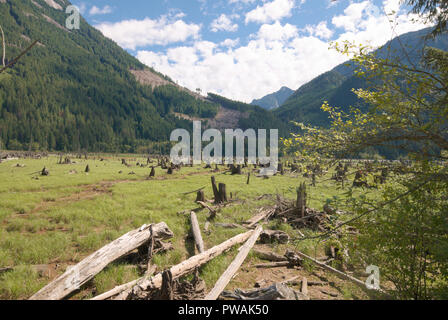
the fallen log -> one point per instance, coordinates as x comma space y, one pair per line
304, 286
84, 271
179, 270
194, 191
225, 278
270, 256
264, 214
341, 274
206, 206
278, 291
228, 225
197, 232
279, 264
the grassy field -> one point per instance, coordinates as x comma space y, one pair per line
59, 219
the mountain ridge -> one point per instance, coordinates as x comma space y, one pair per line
274, 100
78, 90
335, 86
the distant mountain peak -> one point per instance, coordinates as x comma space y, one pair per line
274, 100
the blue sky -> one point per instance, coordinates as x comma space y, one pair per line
244, 49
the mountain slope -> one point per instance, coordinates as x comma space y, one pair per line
74, 90
336, 85
274, 100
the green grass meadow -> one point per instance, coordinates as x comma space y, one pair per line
60, 219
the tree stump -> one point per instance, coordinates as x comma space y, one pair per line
223, 192
301, 199
248, 178
153, 172
87, 169
215, 191
170, 170
200, 196
45, 172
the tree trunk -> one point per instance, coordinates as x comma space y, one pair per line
185, 267
301, 199
197, 232
84, 271
223, 193
200, 196
215, 191
225, 278
3, 47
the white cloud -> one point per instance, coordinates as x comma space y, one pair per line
367, 24
223, 23
105, 10
276, 31
266, 63
131, 34
230, 43
321, 30
277, 54
271, 11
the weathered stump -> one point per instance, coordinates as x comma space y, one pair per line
223, 192
200, 196
301, 199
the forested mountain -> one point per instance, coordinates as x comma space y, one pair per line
75, 91
335, 86
274, 100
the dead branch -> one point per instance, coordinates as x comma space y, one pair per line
234, 266
13, 62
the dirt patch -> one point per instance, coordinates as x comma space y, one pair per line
87, 192
148, 78
224, 119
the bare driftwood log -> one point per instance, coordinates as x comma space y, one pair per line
81, 273
278, 264
264, 214
270, 256
304, 287
206, 206
147, 283
225, 278
197, 232
337, 272
278, 291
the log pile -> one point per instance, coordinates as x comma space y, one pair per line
299, 215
